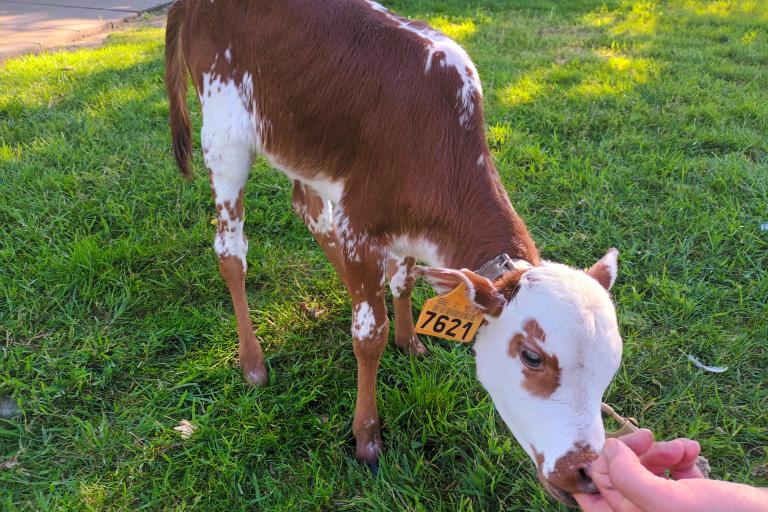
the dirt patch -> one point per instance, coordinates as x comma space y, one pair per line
149, 19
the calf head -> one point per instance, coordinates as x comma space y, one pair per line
546, 352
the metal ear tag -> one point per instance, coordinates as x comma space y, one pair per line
500, 265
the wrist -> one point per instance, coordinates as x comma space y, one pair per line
716, 495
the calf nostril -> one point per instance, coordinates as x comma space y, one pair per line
586, 483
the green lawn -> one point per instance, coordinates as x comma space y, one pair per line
640, 125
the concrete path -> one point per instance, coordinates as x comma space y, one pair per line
28, 26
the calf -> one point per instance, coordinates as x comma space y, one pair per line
378, 121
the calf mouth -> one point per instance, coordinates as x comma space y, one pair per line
557, 493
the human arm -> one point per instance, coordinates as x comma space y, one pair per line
631, 475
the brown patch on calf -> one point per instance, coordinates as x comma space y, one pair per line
405, 334
509, 284
553, 488
486, 296
309, 206
571, 470
542, 381
534, 330
600, 273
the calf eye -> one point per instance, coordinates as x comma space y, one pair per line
530, 359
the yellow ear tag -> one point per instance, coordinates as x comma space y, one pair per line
451, 316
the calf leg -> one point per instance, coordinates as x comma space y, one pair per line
228, 169
401, 281
317, 214
370, 328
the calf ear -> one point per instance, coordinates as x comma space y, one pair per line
480, 291
606, 270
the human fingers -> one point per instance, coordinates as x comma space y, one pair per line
662, 456
687, 467
639, 441
592, 503
677, 456
632, 486
600, 474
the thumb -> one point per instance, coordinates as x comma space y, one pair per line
634, 483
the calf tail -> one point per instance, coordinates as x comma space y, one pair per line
176, 83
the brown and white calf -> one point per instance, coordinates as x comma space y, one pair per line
378, 121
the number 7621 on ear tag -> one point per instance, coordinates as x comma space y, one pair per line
451, 316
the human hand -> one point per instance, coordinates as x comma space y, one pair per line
631, 475
676, 458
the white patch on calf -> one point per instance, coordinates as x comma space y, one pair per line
377, 7
232, 131
230, 116
355, 244
419, 248
230, 240
363, 322
457, 58
323, 224
612, 264
397, 283
328, 189
228, 53
454, 57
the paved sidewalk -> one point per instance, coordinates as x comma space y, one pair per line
28, 26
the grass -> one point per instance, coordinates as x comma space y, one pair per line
638, 124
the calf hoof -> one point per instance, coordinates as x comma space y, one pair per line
412, 346
373, 467
256, 376
368, 452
